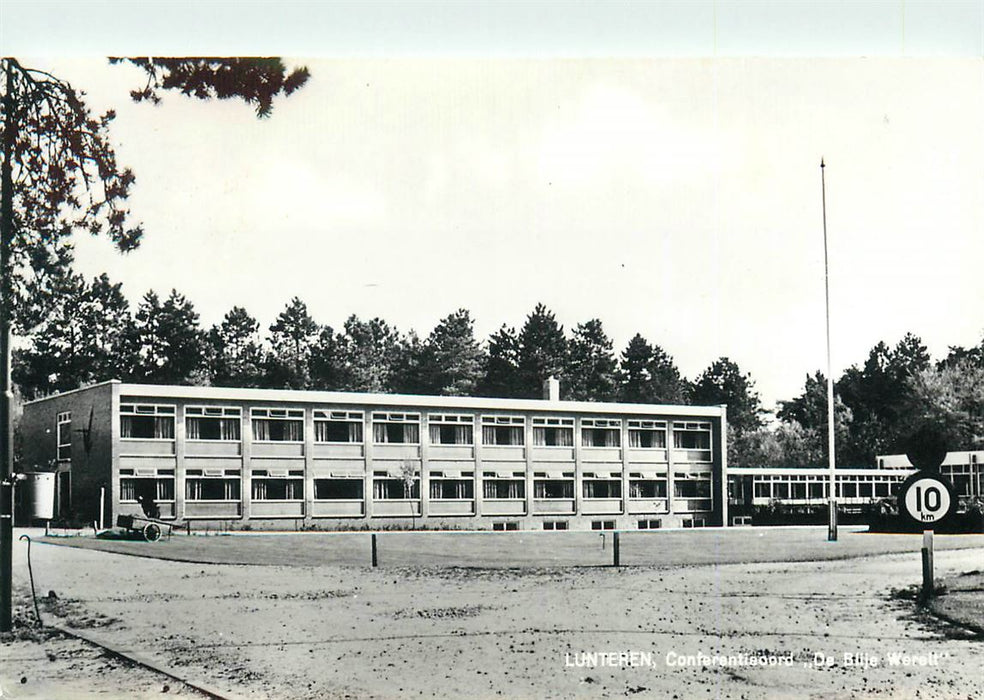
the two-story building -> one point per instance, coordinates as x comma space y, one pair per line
283, 459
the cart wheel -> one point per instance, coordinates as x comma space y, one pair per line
152, 532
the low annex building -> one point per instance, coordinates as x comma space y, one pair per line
284, 459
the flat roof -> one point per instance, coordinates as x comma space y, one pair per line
213, 393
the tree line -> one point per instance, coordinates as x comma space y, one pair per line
89, 333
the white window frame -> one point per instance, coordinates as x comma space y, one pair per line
287, 475
439, 477
647, 425
606, 424
697, 427
504, 421
218, 413
323, 415
131, 409
223, 475
555, 423
450, 419
276, 414
395, 418
63, 418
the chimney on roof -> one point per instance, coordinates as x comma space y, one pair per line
551, 389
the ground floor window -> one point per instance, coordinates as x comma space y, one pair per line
694, 522
555, 525
452, 489
390, 489
602, 488
693, 486
503, 488
653, 524
505, 526
338, 489
212, 489
277, 489
647, 488
138, 489
553, 488
602, 524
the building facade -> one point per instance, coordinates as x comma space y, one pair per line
856, 487
280, 459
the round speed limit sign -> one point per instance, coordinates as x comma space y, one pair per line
927, 499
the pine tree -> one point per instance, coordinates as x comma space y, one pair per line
452, 361
170, 346
592, 371
542, 352
236, 353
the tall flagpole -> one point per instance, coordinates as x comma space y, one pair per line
832, 514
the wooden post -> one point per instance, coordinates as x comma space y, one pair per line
102, 507
928, 587
375, 558
615, 551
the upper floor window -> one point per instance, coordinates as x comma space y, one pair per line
601, 432
338, 426
647, 434
64, 432
278, 424
396, 428
503, 430
553, 432
213, 423
692, 436
450, 429
146, 422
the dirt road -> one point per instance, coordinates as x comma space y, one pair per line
806, 629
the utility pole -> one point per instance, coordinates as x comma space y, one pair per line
832, 514
6, 387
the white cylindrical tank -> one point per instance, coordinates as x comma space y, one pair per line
39, 501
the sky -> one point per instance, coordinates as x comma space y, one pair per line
677, 196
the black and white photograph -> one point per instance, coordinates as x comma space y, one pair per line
492, 350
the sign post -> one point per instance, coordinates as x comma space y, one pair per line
928, 585
927, 499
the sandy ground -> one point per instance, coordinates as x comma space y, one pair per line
331, 631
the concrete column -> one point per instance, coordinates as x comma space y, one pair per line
722, 463
669, 466
624, 444
247, 441
367, 451
424, 466
528, 423
116, 446
477, 434
179, 461
308, 463
578, 469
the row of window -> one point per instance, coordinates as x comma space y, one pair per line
226, 487
645, 524
153, 422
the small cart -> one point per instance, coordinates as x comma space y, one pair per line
150, 529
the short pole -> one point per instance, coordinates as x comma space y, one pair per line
375, 557
102, 508
928, 587
615, 551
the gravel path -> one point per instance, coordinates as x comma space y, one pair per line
334, 632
